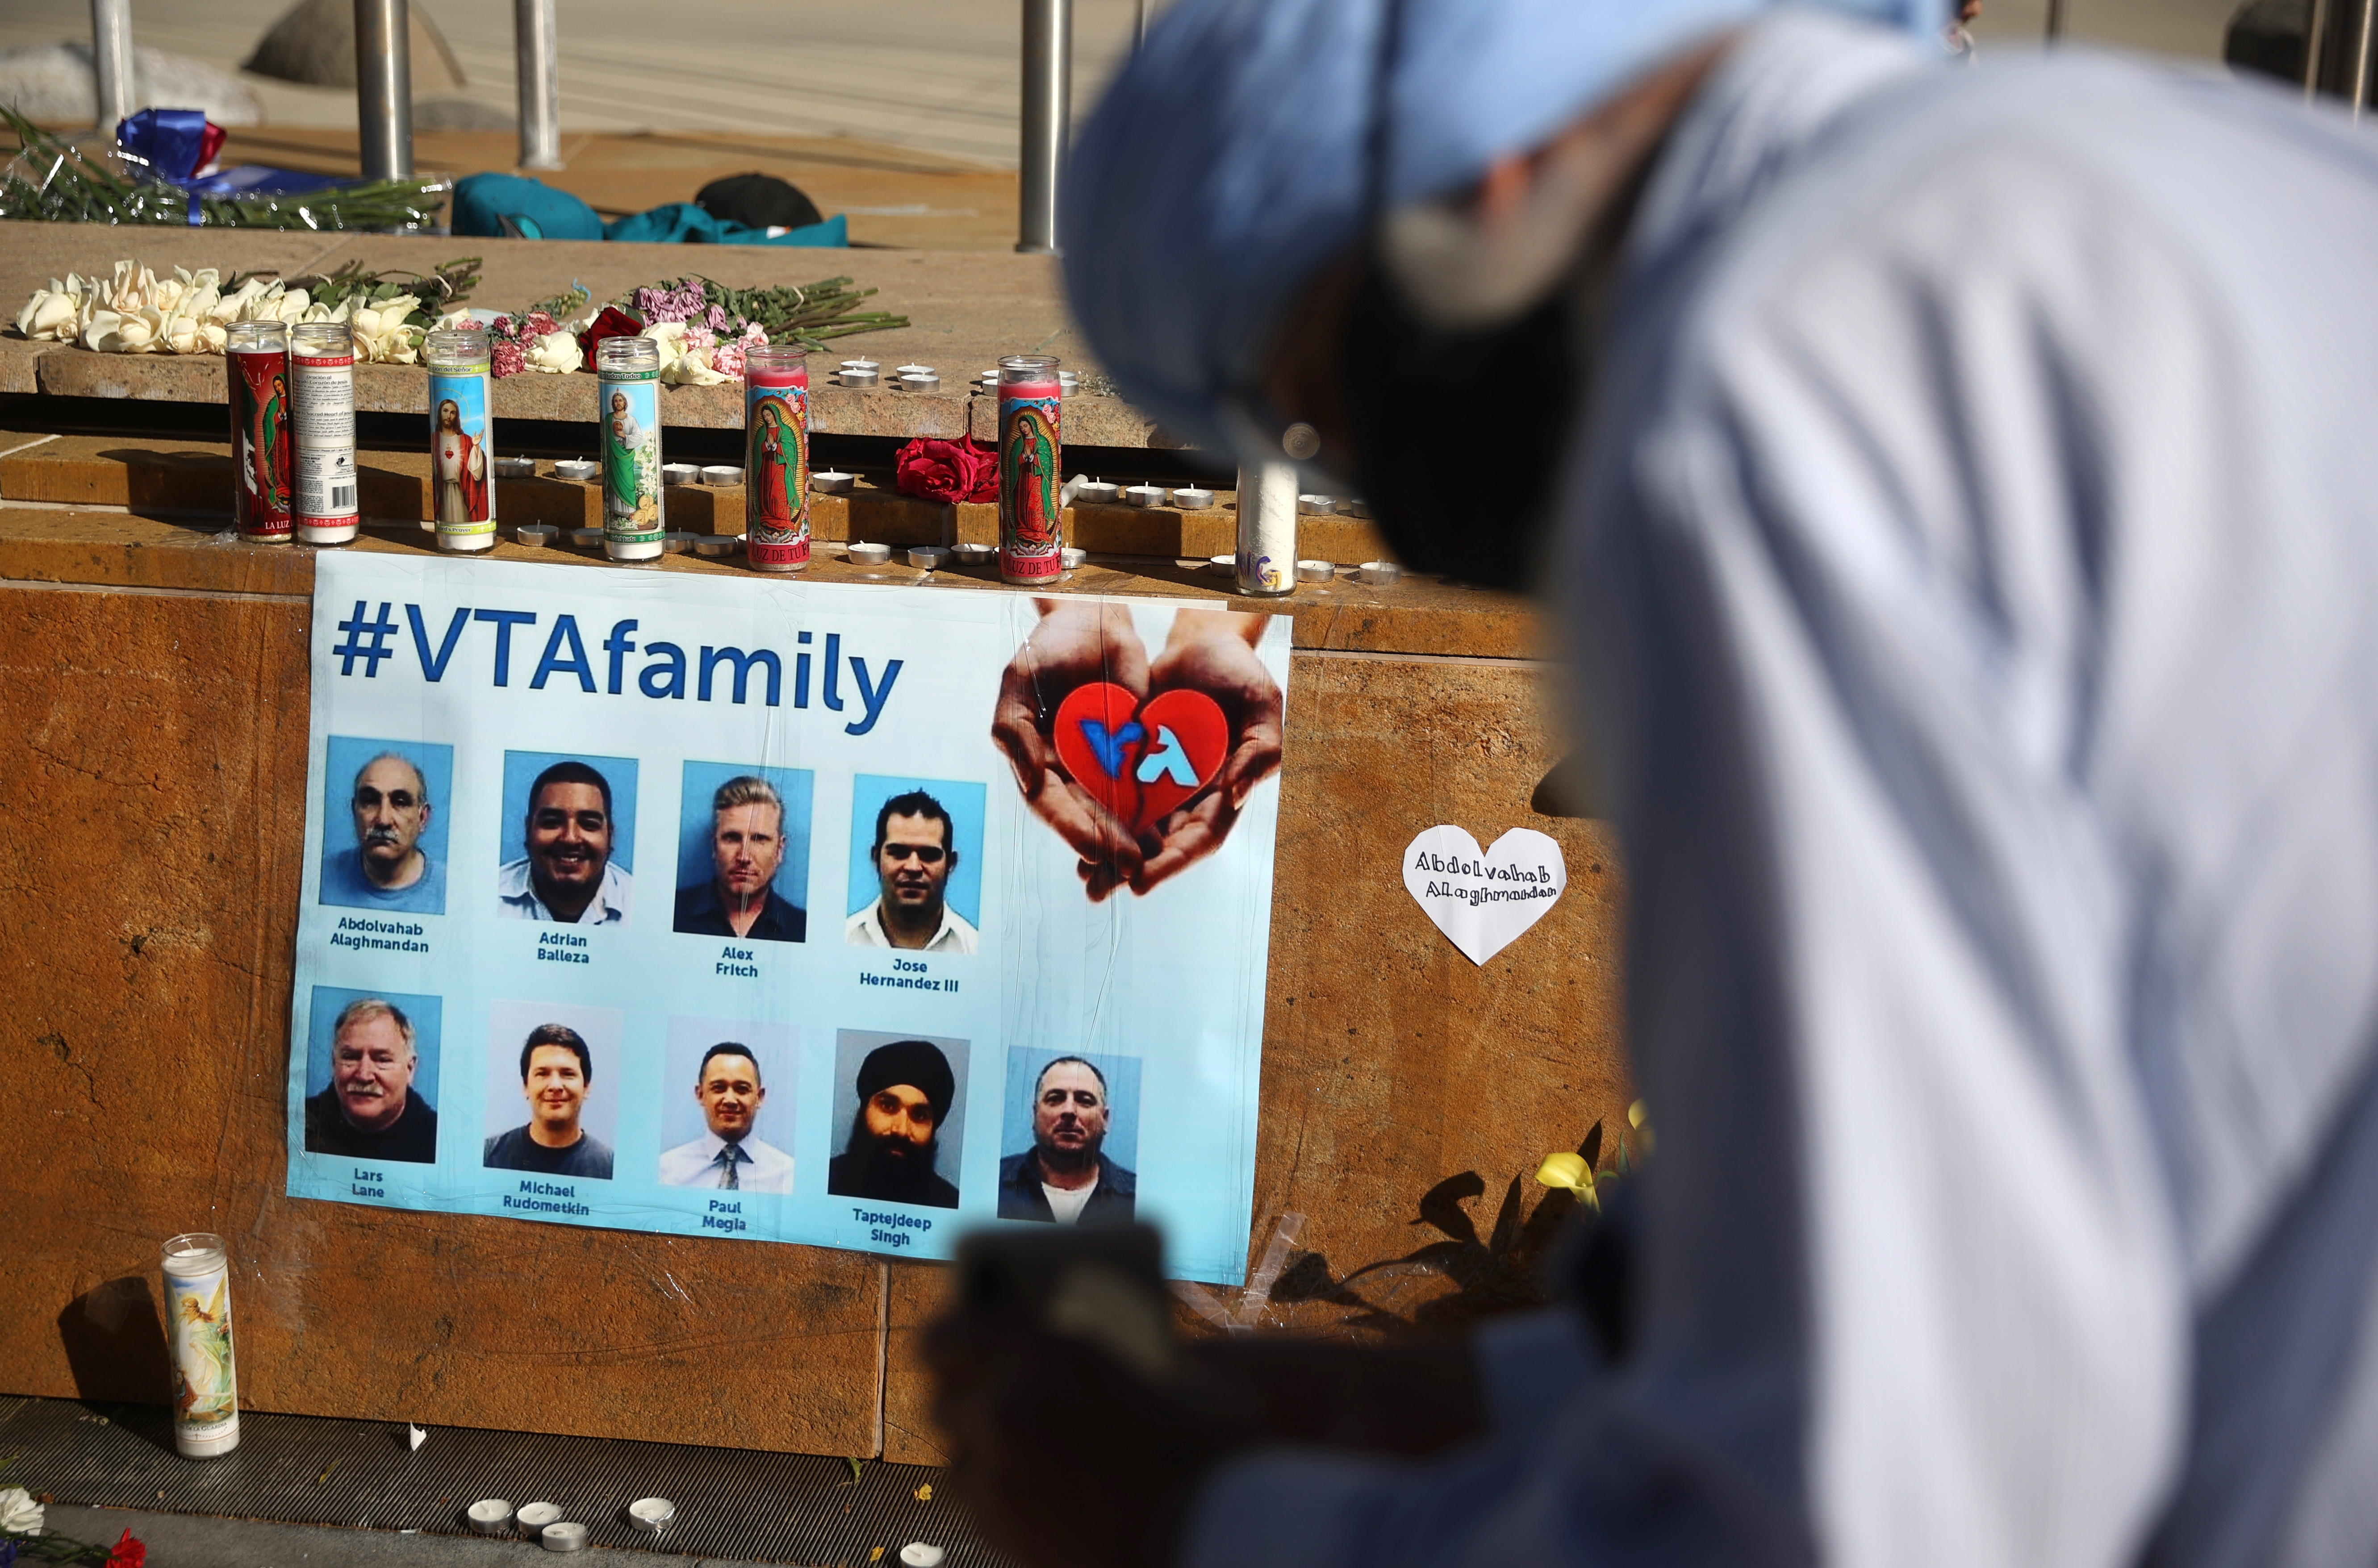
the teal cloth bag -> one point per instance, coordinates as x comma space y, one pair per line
681, 223
483, 201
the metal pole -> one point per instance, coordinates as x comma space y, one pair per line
2361, 57
384, 87
540, 83
2055, 20
2312, 30
110, 62
1048, 111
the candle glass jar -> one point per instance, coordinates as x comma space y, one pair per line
628, 426
462, 436
322, 411
776, 458
1031, 451
1266, 555
256, 357
198, 1315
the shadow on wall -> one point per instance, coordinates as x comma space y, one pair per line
115, 1341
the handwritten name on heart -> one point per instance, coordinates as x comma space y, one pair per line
1140, 760
1483, 899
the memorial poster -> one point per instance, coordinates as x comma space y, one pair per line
782, 911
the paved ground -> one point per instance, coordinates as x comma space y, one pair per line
181, 1542
937, 74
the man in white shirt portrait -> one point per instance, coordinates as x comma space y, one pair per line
915, 851
566, 875
726, 1156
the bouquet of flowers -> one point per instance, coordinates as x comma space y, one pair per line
136, 312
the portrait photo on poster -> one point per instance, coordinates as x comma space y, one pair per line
553, 1088
727, 1091
386, 813
1139, 736
915, 864
568, 838
371, 1074
743, 853
1069, 1137
460, 468
899, 1117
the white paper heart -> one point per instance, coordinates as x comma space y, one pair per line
1485, 900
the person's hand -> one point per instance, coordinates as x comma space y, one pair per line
1213, 651
1077, 641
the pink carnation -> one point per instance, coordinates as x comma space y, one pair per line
510, 359
727, 358
540, 322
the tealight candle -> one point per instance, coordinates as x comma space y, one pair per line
869, 555
586, 538
564, 1537
491, 1516
716, 545
973, 554
574, 468
859, 377
1222, 565
678, 542
516, 467
650, 1513
1316, 572
862, 364
832, 482
1379, 573
1316, 506
917, 370
679, 472
1350, 507
919, 380
536, 536
920, 1554
1145, 496
1072, 558
721, 473
928, 557
1096, 493
535, 1516
1192, 497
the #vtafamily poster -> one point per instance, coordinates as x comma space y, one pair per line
837, 913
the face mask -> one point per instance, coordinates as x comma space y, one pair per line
1459, 433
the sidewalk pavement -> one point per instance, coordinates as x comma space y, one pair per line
181, 1540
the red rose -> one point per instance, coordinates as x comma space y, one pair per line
948, 470
128, 1553
613, 323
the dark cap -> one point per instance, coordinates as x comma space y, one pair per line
917, 1063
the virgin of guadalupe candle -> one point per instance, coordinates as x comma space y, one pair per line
776, 458
256, 354
198, 1316
461, 431
323, 378
628, 422
1032, 530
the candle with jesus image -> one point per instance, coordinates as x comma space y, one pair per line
776, 458
461, 428
1031, 530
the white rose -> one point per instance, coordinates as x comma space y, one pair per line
49, 314
19, 1514
122, 331
692, 368
287, 305
232, 308
204, 277
454, 318
193, 334
556, 354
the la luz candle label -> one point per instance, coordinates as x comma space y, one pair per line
1031, 449
776, 460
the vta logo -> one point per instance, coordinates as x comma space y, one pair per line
1103, 737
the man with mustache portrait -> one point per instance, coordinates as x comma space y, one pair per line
371, 1110
566, 875
388, 867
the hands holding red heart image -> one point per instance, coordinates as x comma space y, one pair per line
1142, 766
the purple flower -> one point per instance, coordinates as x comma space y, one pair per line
716, 319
